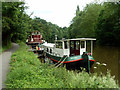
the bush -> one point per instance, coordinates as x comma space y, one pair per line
26, 71
85, 80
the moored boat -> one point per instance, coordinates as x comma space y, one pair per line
71, 52
35, 40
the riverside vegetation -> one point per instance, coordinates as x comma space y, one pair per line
26, 71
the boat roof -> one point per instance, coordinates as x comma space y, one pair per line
81, 39
48, 44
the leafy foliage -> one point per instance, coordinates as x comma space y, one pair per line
14, 22
84, 21
108, 25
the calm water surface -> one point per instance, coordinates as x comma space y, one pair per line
109, 55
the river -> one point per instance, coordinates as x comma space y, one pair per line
111, 57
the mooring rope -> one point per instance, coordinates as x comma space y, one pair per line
61, 62
58, 61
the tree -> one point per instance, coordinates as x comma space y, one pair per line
108, 25
14, 22
84, 21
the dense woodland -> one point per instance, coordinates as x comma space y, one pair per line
97, 20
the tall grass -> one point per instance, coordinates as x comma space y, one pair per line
26, 71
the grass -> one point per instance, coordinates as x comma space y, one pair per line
26, 71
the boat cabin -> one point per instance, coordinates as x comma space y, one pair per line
35, 40
35, 37
69, 47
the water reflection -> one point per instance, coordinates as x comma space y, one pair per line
109, 55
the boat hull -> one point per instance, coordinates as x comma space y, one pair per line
72, 62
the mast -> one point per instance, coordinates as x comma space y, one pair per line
55, 39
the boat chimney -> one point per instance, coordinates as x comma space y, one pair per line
55, 37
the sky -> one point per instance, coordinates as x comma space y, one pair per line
60, 12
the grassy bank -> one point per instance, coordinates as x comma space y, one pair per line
26, 71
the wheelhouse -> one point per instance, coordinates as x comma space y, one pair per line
70, 52
72, 47
35, 40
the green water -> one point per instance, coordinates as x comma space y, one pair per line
109, 55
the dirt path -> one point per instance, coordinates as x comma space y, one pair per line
4, 63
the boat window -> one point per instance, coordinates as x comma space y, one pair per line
59, 45
50, 50
66, 44
77, 45
47, 50
37, 33
32, 33
72, 44
82, 44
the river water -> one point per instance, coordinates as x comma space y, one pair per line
111, 57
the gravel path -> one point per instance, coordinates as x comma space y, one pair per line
4, 63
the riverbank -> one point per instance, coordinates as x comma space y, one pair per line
26, 71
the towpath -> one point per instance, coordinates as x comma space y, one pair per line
4, 63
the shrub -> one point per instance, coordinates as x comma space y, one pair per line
85, 80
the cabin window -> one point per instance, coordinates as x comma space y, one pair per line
82, 44
47, 50
66, 44
33, 33
50, 50
59, 45
37, 33
72, 44
77, 45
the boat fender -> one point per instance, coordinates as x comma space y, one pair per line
86, 62
89, 54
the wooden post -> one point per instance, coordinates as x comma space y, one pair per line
91, 47
85, 46
63, 45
